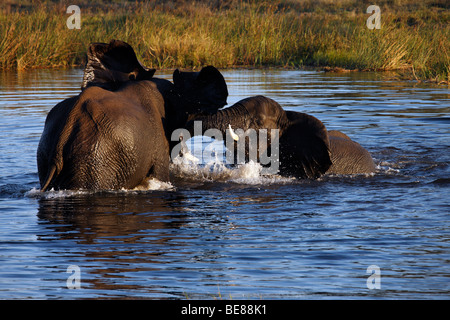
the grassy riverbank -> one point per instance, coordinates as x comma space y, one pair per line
413, 39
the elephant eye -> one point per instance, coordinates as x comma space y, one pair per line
132, 76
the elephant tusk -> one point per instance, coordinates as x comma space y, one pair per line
233, 135
184, 148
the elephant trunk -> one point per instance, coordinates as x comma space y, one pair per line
235, 116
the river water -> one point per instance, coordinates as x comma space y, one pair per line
217, 232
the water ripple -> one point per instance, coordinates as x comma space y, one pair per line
220, 231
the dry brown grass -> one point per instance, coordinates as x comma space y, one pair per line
292, 33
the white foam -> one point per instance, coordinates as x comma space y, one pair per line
185, 168
149, 185
55, 194
216, 170
153, 184
387, 167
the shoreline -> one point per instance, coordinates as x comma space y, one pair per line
391, 74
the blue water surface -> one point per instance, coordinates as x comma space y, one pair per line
233, 233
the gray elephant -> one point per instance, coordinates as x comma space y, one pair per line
348, 156
114, 134
306, 148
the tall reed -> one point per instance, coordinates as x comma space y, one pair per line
293, 33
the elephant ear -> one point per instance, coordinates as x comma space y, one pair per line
109, 65
204, 91
304, 147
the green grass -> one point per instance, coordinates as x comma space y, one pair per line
413, 39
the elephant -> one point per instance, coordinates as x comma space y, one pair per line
348, 156
115, 133
306, 148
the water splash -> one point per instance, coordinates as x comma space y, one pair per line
55, 194
187, 168
149, 185
153, 185
387, 167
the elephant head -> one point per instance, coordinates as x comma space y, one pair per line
206, 90
110, 64
299, 142
192, 93
304, 147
